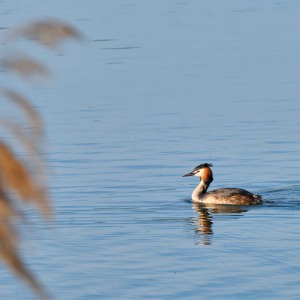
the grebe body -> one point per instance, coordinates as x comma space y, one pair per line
233, 196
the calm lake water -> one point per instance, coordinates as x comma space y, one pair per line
157, 88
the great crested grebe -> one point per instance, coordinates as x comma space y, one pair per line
231, 196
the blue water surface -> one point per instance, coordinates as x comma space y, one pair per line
156, 88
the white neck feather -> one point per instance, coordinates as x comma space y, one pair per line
200, 190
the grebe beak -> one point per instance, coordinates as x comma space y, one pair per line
189, 174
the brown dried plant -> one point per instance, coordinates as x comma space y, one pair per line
18, 184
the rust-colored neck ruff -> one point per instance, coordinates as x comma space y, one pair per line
206, 175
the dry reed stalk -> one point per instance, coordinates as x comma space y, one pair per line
18, 185
15, 177
50, 33
25, 66
33, 117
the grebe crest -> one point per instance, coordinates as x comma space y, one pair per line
233, 196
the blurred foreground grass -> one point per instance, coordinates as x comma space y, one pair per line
23, 182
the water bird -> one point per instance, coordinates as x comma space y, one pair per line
233, 196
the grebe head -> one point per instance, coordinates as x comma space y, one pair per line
203, 171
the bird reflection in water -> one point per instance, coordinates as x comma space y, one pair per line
204, 219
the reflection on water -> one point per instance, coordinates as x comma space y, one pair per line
204, 219
278, 198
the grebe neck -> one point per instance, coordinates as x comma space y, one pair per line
200, 189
